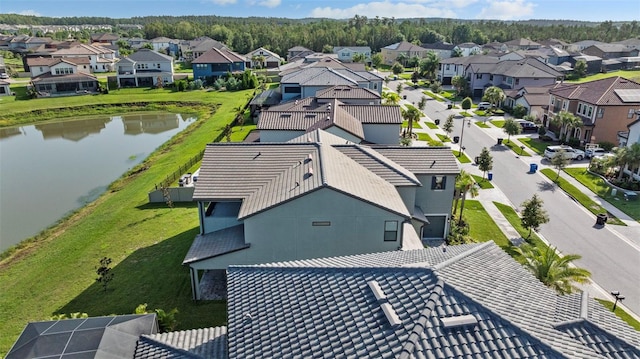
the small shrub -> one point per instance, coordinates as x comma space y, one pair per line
574, 142
606, 145
466, 103
542, 131
545, 138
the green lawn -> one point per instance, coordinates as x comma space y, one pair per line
443, 138
433, 96
405, 124
627, 74
55, 271
622, 314
466, 114
582, 198
516, 147
602, 189
534, 144
514, 219
431, 125
482, 113
481, 124
182, 67
498, 123
482, 183
482, 228
462, 158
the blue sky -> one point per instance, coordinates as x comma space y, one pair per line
588, 10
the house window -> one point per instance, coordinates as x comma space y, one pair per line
321, 223
438, 182
517, 81
631, 113
478, 76
447, 67
490, 77
375, 86
158, 65
390, 231
600, 112
579, 108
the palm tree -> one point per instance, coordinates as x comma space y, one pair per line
402, 58
633, 157
554, 271
566, 121
464, 183
390, 98
411, 114
429, 65
493, 95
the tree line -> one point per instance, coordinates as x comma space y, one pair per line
280, 34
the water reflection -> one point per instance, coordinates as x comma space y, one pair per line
74, 130
148, 123
8, 132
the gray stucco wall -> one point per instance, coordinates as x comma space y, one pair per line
382, 134
344, 134
435, 201
279, 135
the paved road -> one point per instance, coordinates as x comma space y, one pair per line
613, 260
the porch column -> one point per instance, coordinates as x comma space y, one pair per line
195, 283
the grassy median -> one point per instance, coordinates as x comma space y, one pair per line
55, 273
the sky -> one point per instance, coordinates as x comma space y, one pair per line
585, 10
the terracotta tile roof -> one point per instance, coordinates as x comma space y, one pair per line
217, 56
599, 92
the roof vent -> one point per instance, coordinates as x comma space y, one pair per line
328, 118
459, 321
377, 291
310, 172
432, 164
309, 157
391, 314
309, 139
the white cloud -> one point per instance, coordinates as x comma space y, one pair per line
507, 10
383, 9
224, 2
270, 3
29, 13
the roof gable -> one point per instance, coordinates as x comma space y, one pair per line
218, 56
597, 92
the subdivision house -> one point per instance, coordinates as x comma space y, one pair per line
298, 52
105, 38
350, 112
316, 195
101, 58
62, 77
522, 44
468, 49
391, 52
605, 106
628, 138
192, 49
307, 81
466, 301
456, 66
262, 58
444, 50
216, 62
534, 99
145, 67
346, 53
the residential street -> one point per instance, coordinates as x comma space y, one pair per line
611, 253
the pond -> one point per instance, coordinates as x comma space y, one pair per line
51, 168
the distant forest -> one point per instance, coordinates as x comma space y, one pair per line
280, 34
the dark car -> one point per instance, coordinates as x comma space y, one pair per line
528, 126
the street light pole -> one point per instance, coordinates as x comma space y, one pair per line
464, 119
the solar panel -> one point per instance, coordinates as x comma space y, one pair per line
628, 95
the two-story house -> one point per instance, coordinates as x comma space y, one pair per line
391, 53
145, 67
101, 59
522, 44
534, 99
217, 62
606, 107
62, 77
456, 66
316, 195
609, 51
444, 50
346, 53
262, 58
468, 49
298, 52
192, 49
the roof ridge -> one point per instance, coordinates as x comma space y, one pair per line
419, 327
149, 340
464, 254
605, 92
377, 156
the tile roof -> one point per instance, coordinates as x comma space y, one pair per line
216, 243
375, 114
149, 55
525, 68
318, 76
598, 92
472, 301
82, 50
380, 165
218, 56
347, 92
404, 46
205, 343
48, 78
354, 48
421, 160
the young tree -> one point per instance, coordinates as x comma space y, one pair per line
411, 115
390, 98
566, 121
415, 76
466, 103
554, 271
104, 273
397, 68
402, 59
423, 103
435, 87
485, 161
494, 95
358, 58
448, 125
533, 215
580, 69
399, 88
459, 83
511, 128
559, 162
376, 60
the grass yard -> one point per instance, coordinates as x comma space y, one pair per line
433, 96
483, 183
405, 124
482, 113
497, 123
466, 114
462, 158
598, 186
514, 219
535, 144
443, 138
516, 148
627, 74
621, 314
482, 228
431, 125
582, 198
55, 272
481, 124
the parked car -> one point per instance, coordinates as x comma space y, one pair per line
528, 126
484, 106
563, 150
594, 152
4, 76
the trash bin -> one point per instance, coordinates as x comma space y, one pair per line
489, 176
477, 159
533, 167
437, 122
601, 219
404, 97
500, 140
456, 139
449, 106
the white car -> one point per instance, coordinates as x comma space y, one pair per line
594, 152
4, 76
484, 106
565, 151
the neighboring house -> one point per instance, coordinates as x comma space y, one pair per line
101, 59
495, 46
307, 81
468, 49
316, 196
465, 301
629, 138
3, 67
609, 51
192, 49
113, 337
161, 44
145, 68
444, 50
62, 77
5, 90
137, 42
350, 112
522, 44
606, 107
581, 45
558, 44
346, 53
632, 43
215, 63
105, 38
391, 53
23, 43
297, 52
262, 58
534, 99
594, 63
509, 75
455, 66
